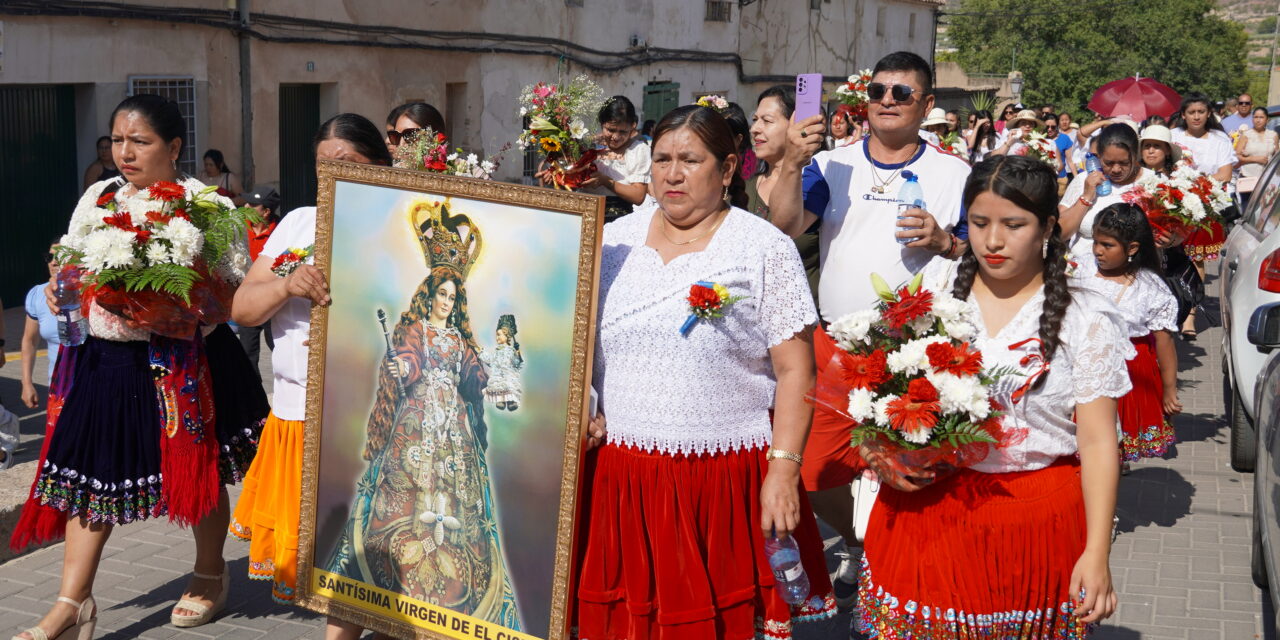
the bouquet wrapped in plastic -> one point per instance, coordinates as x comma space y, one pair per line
908, 378
166, 259
558, 117
1181, 203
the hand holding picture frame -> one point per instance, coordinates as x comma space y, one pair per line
448, 391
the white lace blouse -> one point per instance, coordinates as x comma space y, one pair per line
710, 391
1147, 304
1089, 364
108, 326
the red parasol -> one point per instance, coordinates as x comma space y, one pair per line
1136, 97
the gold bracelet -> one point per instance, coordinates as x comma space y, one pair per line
774, 454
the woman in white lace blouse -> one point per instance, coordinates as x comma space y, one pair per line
1017, 546
706, 417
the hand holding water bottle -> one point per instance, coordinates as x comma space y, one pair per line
73, 327
916, 227
1096, 182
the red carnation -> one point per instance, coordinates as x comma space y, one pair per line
908, 307
921, 390
106, 198
142, 235
166, 191
284, 258
701, 297
863, 372
959, 361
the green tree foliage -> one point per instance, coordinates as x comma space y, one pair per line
1066, 49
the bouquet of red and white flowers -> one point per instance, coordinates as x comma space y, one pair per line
1182, 202
909, 378
166, 258
558, 117
429, 151
1036, 146
854, 93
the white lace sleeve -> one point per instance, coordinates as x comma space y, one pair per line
1162, 307
1097, 347
786, 304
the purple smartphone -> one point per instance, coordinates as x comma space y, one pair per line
808, 95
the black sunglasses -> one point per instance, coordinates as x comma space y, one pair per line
1244, 104
397, 136
901, 92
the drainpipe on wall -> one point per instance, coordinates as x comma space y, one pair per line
246, 98
933, 43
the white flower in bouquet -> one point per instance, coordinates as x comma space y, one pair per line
957, 320
911, 358
108, 248
922, 324
157, 253
861, 405
881, 409
916, 436
961, 394
185, 240
853, 328
577, 129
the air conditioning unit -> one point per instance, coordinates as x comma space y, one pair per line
637, 42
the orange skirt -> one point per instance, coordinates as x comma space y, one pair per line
267, 513
976, 555
672, 550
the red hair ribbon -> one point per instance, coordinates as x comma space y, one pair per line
1033, 358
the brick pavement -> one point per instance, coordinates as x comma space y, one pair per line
1181, 562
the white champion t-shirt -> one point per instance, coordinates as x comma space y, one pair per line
291, 325
856, 236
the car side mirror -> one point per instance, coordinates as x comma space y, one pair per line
1264, 327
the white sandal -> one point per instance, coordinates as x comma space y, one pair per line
203, 613
82, 629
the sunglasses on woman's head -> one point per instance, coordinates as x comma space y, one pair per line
901, 92
396, 137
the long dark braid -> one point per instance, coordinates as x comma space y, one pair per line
1032, 186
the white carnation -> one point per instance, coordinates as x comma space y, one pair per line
853, 328
185, 240
881, 409
922, 324
918, 436
861, 405
910, 358
961, 394
157, 253
108, 248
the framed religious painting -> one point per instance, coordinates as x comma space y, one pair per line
447, 401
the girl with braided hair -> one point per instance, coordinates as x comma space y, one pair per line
1016, 546
1126, 269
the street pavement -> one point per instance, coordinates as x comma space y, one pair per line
1181, 562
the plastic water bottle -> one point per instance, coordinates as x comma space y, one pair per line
910, 196
72, 325
788, 572
1091, 164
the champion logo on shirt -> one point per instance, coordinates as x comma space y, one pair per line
878, 198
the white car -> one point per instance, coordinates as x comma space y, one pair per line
1250, 278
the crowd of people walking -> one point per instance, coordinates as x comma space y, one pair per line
1039, 242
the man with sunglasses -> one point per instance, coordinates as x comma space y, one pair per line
1243, 117
852, 192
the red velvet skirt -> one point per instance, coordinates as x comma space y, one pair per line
976, 555
1146, 432
672, 550
1205, 244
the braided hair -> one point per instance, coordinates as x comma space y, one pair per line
1127, 223
1030, 185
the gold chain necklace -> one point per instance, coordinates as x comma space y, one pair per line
879, 185
691, 240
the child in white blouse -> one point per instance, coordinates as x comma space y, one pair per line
1127, 270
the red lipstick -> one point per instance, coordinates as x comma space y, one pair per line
994, 259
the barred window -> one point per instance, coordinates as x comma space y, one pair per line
181, 90
719, 10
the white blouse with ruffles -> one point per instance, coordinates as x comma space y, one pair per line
1147, 304
87, 215
710, 391
1089, 364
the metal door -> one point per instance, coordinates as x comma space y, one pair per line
299, 120
39, 181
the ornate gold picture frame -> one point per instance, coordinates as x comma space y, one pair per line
447, 401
